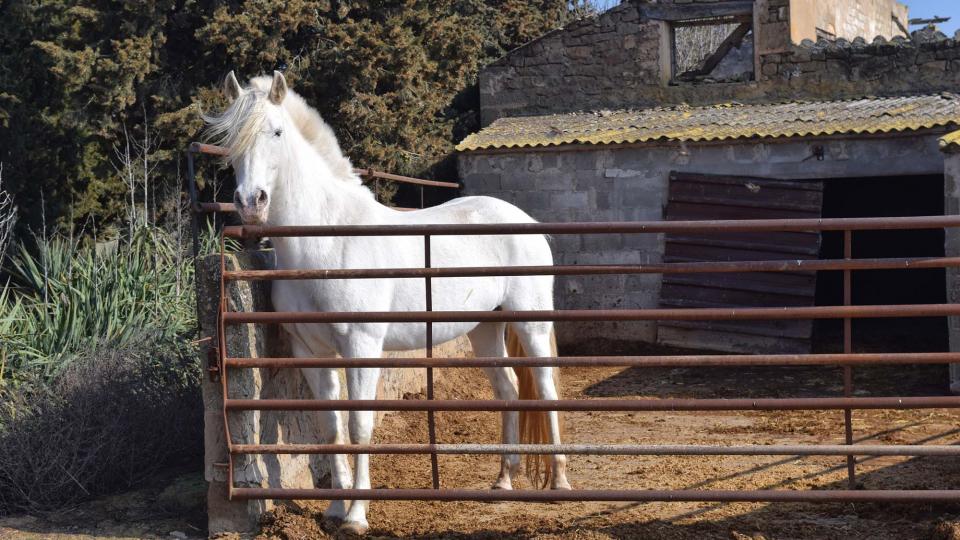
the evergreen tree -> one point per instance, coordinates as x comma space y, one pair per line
84, 81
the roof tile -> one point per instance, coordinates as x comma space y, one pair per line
721, 122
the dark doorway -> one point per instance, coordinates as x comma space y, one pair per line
881, 197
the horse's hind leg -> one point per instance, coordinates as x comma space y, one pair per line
325, 384
487, 340
537, 341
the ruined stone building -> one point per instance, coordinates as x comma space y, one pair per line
730, 109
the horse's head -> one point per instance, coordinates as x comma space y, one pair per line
254, 128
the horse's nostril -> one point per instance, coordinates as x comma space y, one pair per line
237, 199
261, 197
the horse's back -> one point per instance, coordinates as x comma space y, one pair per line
472, 209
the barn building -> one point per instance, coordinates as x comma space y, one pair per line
716, 109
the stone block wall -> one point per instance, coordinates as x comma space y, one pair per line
596, 61
620, 59
631, 184
268, 427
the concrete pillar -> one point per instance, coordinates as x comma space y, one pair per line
951, 207
255, 427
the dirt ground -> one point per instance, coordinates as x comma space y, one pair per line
171, 510
461, 521
171, 507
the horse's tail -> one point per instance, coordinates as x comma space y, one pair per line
534, 425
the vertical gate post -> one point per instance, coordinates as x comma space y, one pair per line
848, 348
431, 420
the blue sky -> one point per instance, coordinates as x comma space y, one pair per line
944, 8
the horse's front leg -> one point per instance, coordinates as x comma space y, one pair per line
325, 385
361, 384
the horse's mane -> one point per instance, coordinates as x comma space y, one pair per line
237, 126
317, 132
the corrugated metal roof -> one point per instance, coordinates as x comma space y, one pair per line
721, 122
950, 142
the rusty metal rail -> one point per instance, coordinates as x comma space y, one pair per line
604, 449
579, 315
674, 361
632, 227
798, 265
604, 495
604, 405
845, 361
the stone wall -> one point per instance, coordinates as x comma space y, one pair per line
596, 62
630, 184
620, 59
255, 427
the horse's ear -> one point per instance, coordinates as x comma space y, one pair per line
231, 87
278, 90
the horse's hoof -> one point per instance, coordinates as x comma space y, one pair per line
350, 530
330, 524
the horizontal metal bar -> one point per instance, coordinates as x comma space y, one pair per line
628, 227
209, 149
668, 314
603, 449
602, 495
370, 173
604, 405
213, 207
582, 270
666, 361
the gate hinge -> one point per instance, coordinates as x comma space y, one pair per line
213, 363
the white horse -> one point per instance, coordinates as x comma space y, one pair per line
290, 171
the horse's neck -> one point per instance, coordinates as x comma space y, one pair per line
308, 194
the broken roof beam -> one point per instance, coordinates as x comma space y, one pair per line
733, 40
686, 12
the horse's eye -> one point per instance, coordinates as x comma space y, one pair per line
277, 133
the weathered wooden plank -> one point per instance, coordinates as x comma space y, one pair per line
705, 252
756, 244
793, 330
682, 211
681, 12
731, 342
791, 185
771, 283
701, 197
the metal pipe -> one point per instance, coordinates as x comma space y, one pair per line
431, 421
601, 449
209, 149
726, 360
604, 495
848, 349
808, 265
370, 173
668, 314
605, 405
703, 226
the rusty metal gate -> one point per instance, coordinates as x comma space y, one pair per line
846, 360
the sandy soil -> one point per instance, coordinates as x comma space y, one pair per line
460, 521
173, 508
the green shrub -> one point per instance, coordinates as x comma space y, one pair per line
65, 298
110, 420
